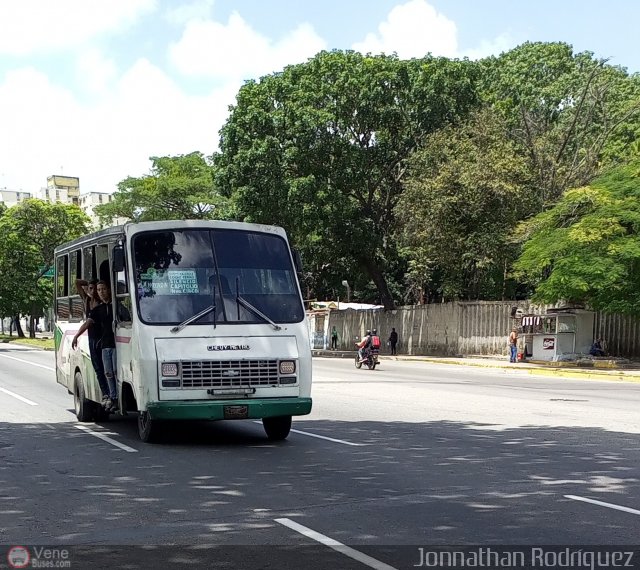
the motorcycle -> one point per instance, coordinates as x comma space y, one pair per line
370, 359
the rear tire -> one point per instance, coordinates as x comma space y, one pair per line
148, 429
277, 428
100, 414
84, 408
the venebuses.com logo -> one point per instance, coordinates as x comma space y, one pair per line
38, 557
18, 557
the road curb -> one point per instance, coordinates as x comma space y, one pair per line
539, 370
562, 372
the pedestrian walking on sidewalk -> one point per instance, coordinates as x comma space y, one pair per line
513, 345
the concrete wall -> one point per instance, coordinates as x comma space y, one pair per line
477, 327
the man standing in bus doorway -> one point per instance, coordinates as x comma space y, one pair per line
89, 296
102, 317
513, 345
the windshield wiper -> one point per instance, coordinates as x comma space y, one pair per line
193, 319
253, 309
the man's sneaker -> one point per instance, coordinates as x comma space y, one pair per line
106, 402
113, 407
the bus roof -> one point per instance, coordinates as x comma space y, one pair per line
132, 228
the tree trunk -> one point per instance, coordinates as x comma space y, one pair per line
32, 327
19, 332
376, 275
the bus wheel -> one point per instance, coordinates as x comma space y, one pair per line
277, 428
100, 414
148, 429
83, 407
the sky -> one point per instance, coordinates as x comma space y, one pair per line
94, 89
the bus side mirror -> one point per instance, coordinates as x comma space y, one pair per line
117, 259
297, 260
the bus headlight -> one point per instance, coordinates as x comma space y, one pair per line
287, 367
170, 369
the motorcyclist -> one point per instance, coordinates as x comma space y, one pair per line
363, 346
375, 339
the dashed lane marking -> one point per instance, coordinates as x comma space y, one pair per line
325, 437
337, 546
18, 397
603, 504
28, 362
106, 438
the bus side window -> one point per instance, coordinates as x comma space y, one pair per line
123, 299
62, 288
75, 301
89, 263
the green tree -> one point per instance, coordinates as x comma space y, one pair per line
29, 233
571, 114
467, 189
321, 149
178, 188
587, 248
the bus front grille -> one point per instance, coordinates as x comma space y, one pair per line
229, 373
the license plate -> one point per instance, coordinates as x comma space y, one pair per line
236, 412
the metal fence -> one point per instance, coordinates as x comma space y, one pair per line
467, 328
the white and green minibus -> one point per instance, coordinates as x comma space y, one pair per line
209, 324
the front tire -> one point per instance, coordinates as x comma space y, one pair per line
148, 429
358, 363
277, 428
84, 408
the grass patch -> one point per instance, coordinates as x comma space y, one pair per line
43, 343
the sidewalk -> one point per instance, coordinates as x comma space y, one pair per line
608, 371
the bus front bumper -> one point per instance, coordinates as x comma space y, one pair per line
229, 409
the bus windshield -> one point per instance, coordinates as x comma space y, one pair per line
178, 272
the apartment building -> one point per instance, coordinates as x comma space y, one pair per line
13, 197
65, 190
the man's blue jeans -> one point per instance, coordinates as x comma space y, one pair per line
98, 366
109, 362
514, 353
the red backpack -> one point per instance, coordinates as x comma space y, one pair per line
375, 341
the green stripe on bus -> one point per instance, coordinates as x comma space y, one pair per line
214, 410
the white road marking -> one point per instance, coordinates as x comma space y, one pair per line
323, 437
603, 504
27, 362
107, 439
19, 397
337, 546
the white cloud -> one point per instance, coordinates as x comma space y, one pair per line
236, 51
504, 42
200, 9
31, 26
144, 114
94, 71
413, 30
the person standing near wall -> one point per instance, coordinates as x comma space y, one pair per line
334, 339
513, 345
393, 341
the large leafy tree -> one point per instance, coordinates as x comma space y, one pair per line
29, 233
322, 147
177, 188
570, 113
587, 248
467, 189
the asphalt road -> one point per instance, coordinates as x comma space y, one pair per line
410, 454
